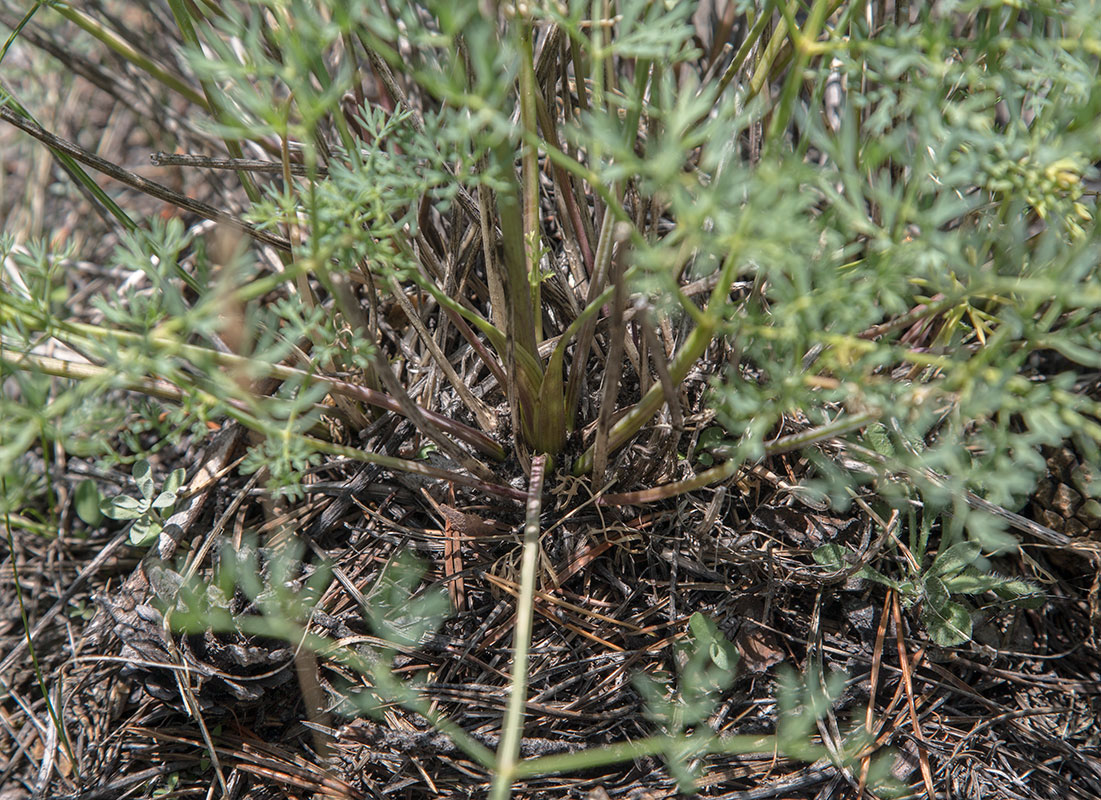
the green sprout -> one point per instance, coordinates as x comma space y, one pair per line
149, 511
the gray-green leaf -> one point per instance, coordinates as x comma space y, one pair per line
86, 500
143, 476
175, 481
164, 500
949, 623
144, 531
122, 507
953, 560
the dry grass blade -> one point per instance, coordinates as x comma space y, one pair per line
486, 418
908, 685
617, 334
873, 683
135, 181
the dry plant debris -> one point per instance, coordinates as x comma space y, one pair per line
127, 695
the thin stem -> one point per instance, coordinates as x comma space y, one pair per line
239, 412
645, 409
479, 409
783, 444
135, 181
693, 349
214, 101
590, 758
508, 751
530, 171
805, 45
124, 49
597, 279
617, 333
256, 368
389, 462
566, 189
68, 162
743, 52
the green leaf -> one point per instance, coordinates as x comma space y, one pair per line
948, 623
876, 435
1021, 592
123, 507
719, 656
550, 410
971, 581
869, 574
175, 481
86, 500
710, 438
989, 531
144, 531
164, 500
953, 560
709, 639
703, 630
143, 476
829, 555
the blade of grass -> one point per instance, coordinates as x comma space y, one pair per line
135, 181
68, 163
215, 103
124, 49
617, 333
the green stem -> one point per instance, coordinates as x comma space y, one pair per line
166, 390
805, 45
239, 412
508, 752
601, 262
700, 744
726, 470
273, 431
530, 168
79, 333
645, 409
124, 49
214, 101
743, 51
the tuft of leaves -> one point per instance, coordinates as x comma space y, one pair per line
150, 508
